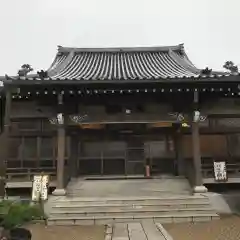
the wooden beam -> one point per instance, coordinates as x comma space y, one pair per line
159, 124
92, 126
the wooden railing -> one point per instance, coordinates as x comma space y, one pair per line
26, 174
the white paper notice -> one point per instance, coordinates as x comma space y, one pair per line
220, 171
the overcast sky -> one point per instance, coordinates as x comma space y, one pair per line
32, 29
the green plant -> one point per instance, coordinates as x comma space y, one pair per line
15, 214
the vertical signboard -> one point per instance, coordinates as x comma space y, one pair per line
220, 171
40, 187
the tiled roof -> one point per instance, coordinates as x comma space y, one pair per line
122, 64
119, 64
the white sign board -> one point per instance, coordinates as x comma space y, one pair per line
40, 187
220, 171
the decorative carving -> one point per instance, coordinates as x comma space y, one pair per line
25, 69
42, 74
59, 119
206, 72
78, 118
203, 118
231, 67
197, 117
53, 120
179, 116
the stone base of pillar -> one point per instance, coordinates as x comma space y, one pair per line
200, 189
59, 192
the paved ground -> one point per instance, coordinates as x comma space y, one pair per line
228, 228
42, 232
134, 187
225, 202
146, 230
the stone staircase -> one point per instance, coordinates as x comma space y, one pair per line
164, 200
88, 211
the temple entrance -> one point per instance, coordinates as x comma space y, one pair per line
126, 154
102, 158
161, 156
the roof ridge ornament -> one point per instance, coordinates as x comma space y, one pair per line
42, 74
59, 47
206, 72
231, 67
181, 48
24, 70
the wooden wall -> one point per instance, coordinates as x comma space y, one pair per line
30, 109
221, 106
221, 146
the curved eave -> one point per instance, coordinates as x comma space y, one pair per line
199, 79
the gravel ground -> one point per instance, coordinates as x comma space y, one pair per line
227, 228
40, 232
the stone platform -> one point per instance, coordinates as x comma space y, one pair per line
163, 200
158, 187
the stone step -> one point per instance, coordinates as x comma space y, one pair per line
132, 212
134, 200
163, 194
104, 220
86, 206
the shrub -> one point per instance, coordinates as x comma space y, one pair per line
15, 214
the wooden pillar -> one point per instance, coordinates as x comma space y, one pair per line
199, 188
196, 153
74, 156
60, 191
179, 153
4, 140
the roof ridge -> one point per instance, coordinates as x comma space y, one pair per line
178, 47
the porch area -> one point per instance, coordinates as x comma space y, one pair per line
119, 187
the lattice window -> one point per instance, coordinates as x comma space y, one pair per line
31, 152
15, 146
46, 148
30, 147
